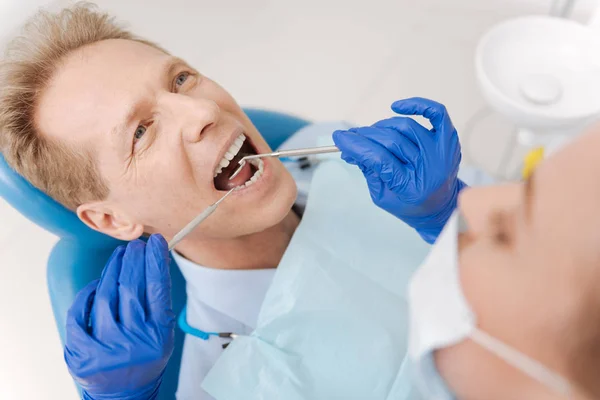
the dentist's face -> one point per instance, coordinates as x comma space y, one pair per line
530, 269
160, 132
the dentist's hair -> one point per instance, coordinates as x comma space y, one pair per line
69, 175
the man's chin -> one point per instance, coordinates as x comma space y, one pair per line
274, 211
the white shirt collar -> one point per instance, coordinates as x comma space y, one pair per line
238, 294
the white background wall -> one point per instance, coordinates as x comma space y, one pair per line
321, 59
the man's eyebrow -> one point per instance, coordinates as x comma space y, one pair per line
122, 125
529, 194
167, 71
172, 65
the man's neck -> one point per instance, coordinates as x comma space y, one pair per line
257, 251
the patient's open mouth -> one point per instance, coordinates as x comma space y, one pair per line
249, 174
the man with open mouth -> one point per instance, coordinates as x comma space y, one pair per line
136, 141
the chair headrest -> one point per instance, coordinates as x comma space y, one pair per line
41, 209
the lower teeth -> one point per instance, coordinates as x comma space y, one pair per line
260, 165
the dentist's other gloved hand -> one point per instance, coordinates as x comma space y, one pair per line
120, 329
411, 171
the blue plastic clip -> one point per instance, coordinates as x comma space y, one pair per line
186, 328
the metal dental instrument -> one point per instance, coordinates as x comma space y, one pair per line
286, 153
197, 221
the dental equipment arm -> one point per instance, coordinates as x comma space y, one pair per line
411, 171
286, 153
295, 152
197, 221
121, 328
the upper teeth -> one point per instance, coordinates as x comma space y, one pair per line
230, 154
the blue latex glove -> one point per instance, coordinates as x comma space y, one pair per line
120, 329
411, 171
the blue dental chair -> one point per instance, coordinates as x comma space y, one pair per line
81, 253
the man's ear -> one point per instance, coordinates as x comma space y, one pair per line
103, 218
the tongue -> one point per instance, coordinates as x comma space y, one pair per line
222, 181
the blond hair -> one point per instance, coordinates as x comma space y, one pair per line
67, 174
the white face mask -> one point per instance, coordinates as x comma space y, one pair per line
440, 317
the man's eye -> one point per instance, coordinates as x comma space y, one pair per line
181, 78
139, 132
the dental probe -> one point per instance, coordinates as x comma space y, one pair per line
197, 221
286, 153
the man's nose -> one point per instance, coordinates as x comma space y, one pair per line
192, 117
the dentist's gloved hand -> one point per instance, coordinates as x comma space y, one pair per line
411, 171
120, 329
